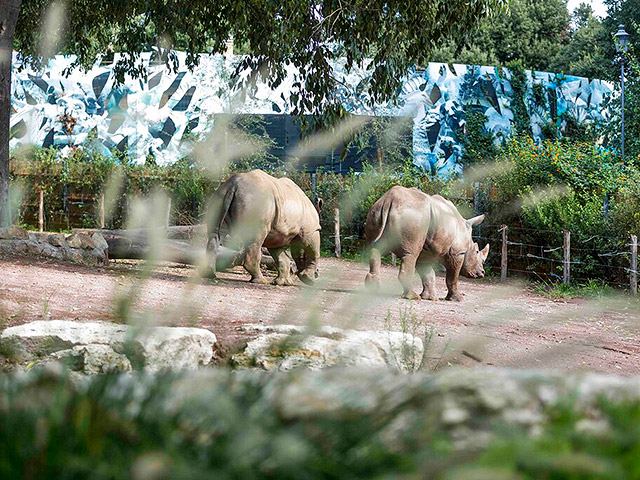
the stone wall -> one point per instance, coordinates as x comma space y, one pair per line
86, 248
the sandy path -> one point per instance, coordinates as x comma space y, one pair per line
495, 324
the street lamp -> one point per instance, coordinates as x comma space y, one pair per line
622, 45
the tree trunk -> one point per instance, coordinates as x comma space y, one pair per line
8, 18
195, 234
380, 155
182, 244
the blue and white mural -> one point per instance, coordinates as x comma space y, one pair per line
153, 115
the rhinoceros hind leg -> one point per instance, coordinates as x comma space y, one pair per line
209, 270
372, 280
428, 276
407, 269
252, 259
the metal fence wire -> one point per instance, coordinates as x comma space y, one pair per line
545, 254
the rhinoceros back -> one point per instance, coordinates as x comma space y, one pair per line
250, 202
295, 214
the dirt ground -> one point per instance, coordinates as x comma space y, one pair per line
496, 324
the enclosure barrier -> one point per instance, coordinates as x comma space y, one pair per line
570, 261
546, 261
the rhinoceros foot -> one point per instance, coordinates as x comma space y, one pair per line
306, 279
285, 282
429, 296
411, 296
259, 280
454, 297
372, 282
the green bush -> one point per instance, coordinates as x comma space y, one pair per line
541, 188
227, 424
584, 167
562, 185
569, 447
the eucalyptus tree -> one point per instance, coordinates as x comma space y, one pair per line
385, 36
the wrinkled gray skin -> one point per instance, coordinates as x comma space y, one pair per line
421, 230
255, 209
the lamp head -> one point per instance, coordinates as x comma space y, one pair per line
622, 37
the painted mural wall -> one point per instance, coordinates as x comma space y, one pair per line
154, 115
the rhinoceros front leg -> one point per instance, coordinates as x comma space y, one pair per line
407, 269
283, 265
453, 266
428, 277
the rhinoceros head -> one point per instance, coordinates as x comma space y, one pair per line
474, 258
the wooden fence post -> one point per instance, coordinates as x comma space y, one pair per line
168, 218
503, 261
633, 275
394, 259
41, 212
336, 230
102, 210
566, 270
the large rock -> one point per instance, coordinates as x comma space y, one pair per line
284, 347
93, 359
151, 348
81, 240
13, 233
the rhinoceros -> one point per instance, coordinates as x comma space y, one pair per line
421, 230
256, 209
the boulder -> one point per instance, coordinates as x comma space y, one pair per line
149, 348
284, 347
99, 243
56, 239
13, 233
93, 359
74, 255
81, 240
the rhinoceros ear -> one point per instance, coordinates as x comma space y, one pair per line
484, 252
472, 222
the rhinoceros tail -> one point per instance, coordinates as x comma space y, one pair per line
381, 220
224, 206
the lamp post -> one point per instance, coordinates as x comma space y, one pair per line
622, 45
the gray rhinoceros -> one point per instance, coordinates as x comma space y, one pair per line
422, 229
256, 210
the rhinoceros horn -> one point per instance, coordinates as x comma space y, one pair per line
472, 222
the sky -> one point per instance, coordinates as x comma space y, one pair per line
597, 5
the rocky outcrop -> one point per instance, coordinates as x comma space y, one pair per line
99, 347
89, 248
284, 347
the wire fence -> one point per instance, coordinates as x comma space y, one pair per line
608, 258
535, 253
